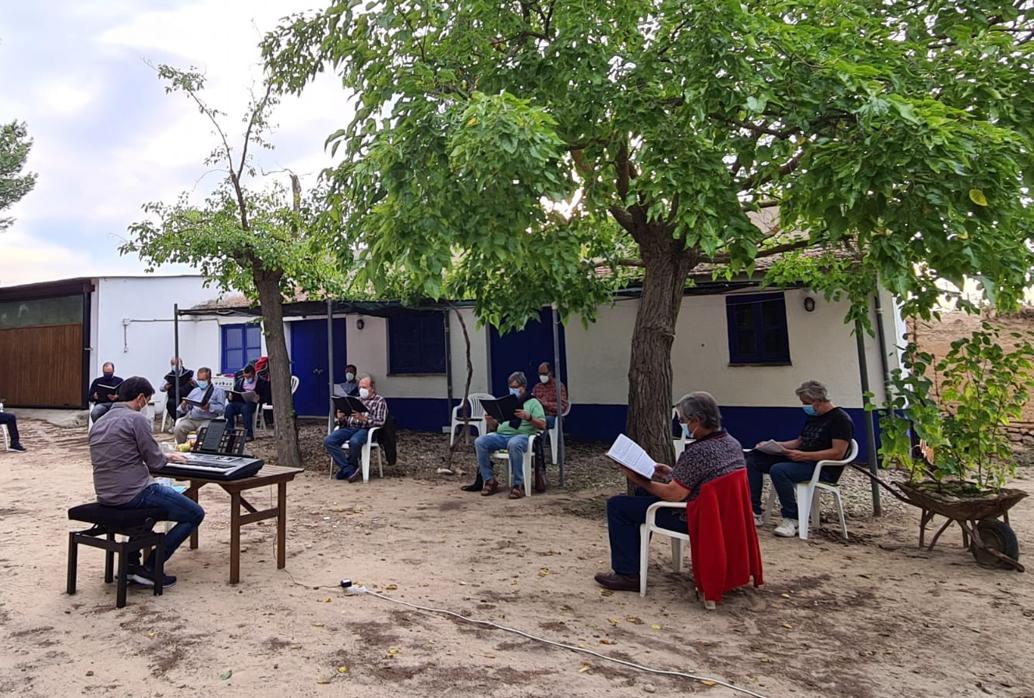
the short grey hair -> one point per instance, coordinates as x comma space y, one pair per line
205, 369
519, 378
813, 390
701, 406
365, 376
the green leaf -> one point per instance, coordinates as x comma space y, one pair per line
977, 197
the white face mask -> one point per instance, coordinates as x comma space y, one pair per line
543, 378
364, 393
349, 377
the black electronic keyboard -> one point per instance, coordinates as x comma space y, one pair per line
213, 466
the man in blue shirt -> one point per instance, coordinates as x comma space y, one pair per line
204, 403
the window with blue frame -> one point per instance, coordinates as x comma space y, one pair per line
241, 345
757, 329
416, 343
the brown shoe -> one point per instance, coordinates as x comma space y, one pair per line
517, 493
618, 582
357, 475
490, 488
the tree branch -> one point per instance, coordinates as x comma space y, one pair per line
259, 108
778, 249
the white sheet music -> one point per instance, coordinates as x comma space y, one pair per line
632, 456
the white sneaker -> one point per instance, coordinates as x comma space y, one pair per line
759, 520
787, 529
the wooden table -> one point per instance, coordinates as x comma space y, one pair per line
269, 475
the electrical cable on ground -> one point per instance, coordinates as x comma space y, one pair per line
706, 680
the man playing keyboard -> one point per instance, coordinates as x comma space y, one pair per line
124, 454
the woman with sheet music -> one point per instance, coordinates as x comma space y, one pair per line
712, 454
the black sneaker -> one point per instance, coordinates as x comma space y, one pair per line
16, 446
145, 577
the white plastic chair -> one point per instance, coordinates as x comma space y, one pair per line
808, 495
553, 434
477, 415
3, 432
681, 441
678, 541
529, 455
160, 403
260, 415
364, 457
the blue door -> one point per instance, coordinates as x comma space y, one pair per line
524, 350
309, 363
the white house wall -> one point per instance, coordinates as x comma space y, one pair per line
132, 325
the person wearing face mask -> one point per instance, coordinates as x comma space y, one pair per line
351, 384
713, 453
513, 436
826, 435
124, 453
353, 429
177, 374
104, 398
238, 404
545, 392
203, 404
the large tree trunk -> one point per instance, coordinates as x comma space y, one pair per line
285, 426
649, 372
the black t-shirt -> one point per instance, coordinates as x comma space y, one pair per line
819, 431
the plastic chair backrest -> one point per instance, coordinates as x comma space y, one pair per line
476, 410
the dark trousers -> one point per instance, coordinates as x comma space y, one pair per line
785, 475
11, 422
243, 409
625, 513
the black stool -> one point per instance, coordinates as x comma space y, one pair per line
109, 521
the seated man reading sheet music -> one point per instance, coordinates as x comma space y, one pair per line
713, 454
205, 402
104, 391
527, 417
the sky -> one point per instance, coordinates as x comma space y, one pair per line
107, 139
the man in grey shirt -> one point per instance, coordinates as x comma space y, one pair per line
124, 454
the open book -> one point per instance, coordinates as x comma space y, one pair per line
631, 455
108, 388
773, 448
245, 395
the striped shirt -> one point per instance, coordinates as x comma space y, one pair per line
706, 459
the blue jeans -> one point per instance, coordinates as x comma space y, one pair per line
187, 514
550, 421
346, 461
246, 410
488, 444
785, 476
100, 409
625, 513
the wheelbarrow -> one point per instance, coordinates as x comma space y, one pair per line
984, 519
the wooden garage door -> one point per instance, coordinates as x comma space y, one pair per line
42, 366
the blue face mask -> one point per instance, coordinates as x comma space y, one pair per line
685, 431
203, 385
516, 392
809, 410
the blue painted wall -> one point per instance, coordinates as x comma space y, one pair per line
604, 422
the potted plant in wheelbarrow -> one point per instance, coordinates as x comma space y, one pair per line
964, 457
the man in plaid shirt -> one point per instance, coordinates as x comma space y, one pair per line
352, 429
545, 392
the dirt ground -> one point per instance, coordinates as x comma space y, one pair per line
872, 617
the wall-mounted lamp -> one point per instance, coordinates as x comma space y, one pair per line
359, 324
809, 304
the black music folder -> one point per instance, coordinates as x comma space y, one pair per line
501, 409
349, 404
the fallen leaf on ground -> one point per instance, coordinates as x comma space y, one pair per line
585, 667
656, 626
391, 587
226, 674
708, 682
342, 670
543, 572
613, 621
634, 620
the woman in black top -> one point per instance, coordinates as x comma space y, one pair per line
826, 435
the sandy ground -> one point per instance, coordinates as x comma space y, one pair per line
874, 617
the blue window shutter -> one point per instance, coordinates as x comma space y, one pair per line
757, 329
416, 343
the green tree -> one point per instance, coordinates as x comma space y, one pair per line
258, 240
502, 151
14, 183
